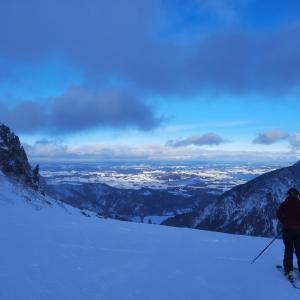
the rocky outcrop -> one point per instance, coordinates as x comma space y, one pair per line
13, 160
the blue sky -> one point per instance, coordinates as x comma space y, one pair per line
159, 79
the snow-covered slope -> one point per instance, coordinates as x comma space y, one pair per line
49, 252
249, 208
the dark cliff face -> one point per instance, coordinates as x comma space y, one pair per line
13, 159
246, 209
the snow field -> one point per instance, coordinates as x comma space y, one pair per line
58, 254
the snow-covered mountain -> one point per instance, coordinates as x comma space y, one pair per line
13, 159
51, 252
249, 208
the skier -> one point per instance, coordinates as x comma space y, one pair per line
289, 215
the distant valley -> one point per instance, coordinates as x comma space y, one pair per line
145, 191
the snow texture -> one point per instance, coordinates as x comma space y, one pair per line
49, 252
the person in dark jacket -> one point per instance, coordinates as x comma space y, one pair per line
289, 215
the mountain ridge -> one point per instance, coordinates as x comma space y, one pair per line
249, 208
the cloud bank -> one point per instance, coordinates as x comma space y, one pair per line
80, 109
56, 151
125, 44
121, 40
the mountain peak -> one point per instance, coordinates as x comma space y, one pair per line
13, 159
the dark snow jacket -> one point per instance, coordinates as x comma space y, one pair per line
289, 213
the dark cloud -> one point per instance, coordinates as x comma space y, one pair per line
210, 139
85, 27
119, 39
80, 109
270, 137
104, 39
24, 116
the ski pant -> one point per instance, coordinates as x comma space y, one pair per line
291, 240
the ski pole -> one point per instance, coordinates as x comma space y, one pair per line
253, 261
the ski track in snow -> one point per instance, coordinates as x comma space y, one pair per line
49, 254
